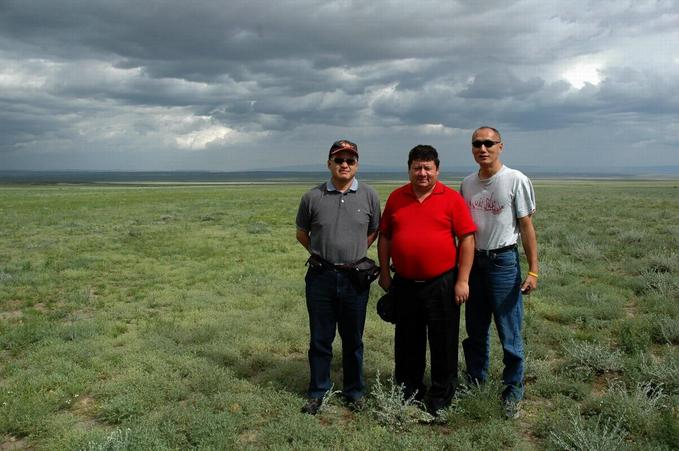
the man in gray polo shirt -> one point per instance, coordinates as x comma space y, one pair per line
336, 222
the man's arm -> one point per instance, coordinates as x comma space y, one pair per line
303, 238
384, 257
372, 237
374, 223
530, 248
465, 261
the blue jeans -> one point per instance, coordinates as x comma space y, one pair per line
333, 304
495, 292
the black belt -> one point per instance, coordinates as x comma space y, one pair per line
492, 252
425, 281
317, 261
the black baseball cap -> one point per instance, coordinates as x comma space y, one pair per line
341, 145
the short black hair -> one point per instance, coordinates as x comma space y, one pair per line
423, 152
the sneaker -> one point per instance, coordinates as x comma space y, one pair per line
312, 406
512, 409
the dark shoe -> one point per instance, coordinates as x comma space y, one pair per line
312, 406
511, 401
416, 394
434, 405
356, 405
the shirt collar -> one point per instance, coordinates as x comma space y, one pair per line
438, 189
331, 187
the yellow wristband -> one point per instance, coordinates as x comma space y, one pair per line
534, 274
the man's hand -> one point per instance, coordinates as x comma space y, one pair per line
384, 256
461, 292
385, 280
465, 261
530, 248
530, 284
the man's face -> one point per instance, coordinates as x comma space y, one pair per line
343, 171
488, 153
423, 174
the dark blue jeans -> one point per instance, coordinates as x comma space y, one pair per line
427, 311
495, 292
333, 304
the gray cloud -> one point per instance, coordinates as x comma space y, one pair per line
169, 85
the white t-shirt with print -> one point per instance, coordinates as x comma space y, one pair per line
496, 204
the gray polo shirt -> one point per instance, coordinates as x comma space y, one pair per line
339, 223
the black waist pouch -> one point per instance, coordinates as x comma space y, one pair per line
363, 273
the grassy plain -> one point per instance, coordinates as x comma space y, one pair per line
173, 317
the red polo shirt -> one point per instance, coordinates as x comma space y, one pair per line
423, 234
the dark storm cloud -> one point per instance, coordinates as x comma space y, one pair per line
500, 84
214, 74
642, 91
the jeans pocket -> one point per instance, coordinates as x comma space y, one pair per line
505, 261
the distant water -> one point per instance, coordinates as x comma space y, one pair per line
198, 177
104, 177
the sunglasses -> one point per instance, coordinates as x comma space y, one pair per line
488, 143
350, 161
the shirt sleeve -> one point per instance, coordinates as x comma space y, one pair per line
463, 223
524, 199
385, 221
303, 220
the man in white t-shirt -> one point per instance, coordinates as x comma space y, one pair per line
502, 202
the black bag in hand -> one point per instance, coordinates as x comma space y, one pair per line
386, 308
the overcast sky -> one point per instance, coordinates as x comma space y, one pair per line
235, 85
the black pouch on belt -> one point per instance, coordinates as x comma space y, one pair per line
363, 273
316, 262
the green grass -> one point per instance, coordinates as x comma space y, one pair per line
173, 317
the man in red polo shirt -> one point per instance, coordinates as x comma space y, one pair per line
418, 231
